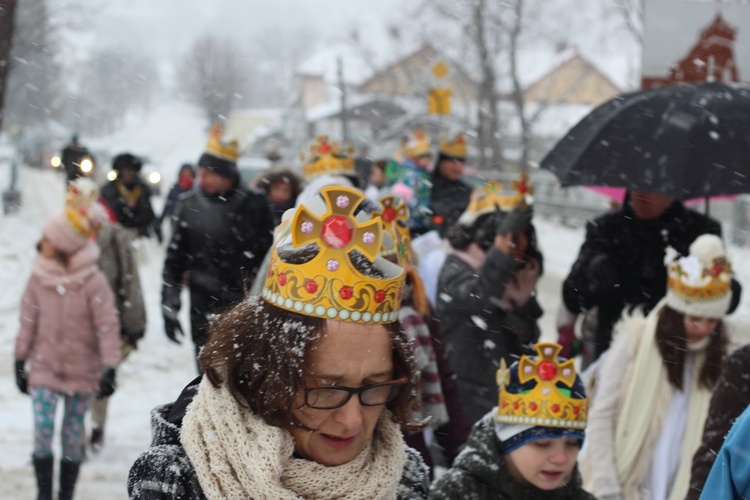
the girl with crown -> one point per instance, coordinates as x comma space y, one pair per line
486, 294
654, 386
68, 343
306, 386
526, 447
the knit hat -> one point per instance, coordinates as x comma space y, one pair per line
126, 160
541, 397
701, 283
69, 230
220, 157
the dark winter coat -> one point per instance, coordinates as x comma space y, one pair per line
621, 263
219, 241
480, 473
452, 435
479, 331
171, 202
730, 398
138, 215
448, 200
164, 471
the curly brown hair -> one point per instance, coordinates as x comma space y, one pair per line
671, 340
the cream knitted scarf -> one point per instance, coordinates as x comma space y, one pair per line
647, 393
238, 456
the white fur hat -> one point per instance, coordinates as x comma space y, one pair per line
701, 283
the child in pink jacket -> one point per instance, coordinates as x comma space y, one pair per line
69, 336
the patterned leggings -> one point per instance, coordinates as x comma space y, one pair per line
45, 405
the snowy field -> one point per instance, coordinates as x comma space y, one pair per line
157, 372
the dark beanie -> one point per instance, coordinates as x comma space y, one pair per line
219, 166
127, 160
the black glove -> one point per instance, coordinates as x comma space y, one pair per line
170, 306
514, 222
603, 278
107, 384
22, 376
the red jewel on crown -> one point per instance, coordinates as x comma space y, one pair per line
547, 370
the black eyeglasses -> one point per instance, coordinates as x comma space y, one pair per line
336, 396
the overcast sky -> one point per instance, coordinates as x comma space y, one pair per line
166, 28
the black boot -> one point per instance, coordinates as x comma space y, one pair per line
68, 476
43, 467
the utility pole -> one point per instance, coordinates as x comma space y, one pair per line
344, 119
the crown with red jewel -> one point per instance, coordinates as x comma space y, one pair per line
700, 284
394, 215
329, 285
542, 391
455, 147
327, 158
485, 198
228, 151
80, 205
417, 144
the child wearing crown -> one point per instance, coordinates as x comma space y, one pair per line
653, 387
68, 343
527, 446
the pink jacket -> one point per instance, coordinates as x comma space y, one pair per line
69, 325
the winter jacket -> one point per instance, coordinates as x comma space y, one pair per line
165, 472
219, 241
479, 329
621, 263
730, 476
480, 473
448, 200
69, 326
731, 397
171, 202
136, 214
118, 263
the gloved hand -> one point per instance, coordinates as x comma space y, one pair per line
603, 278
566, 337
22, 376
107, 384
515, 221
170, 306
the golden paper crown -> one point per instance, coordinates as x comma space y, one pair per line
328, 285
82, 211
394, 215
455, 148
416, 145
708, 283
544, 405
484, 199
327, 158
228, 151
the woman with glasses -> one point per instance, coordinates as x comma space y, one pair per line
306, 387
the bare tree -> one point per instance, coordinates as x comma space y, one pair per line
7, 24
215, 75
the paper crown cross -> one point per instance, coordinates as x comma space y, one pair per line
228, 151
455, 147
80, 210
484, 199
531, 392
700, 284
329, 285
327, 158
394, 215
417, 144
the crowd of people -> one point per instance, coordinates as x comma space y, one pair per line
357, 328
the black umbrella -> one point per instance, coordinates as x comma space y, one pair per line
682, 141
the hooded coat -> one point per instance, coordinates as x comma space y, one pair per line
479, 328
480, 473
165, 472
69, 326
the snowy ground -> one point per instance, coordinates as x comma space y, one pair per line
157, 372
